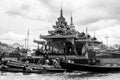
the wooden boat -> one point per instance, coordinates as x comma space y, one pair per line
16, 70
90, 68
15, 64
33, 69
46, 70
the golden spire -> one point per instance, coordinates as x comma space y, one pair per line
61, 12
71, 20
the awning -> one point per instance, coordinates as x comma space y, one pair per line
58, 36
87, 40
39, 42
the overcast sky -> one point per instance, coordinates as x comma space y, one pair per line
101, 17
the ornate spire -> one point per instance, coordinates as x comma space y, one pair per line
61, 12
61, 18
61, 26
71, 20
71, 23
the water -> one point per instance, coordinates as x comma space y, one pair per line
60, 76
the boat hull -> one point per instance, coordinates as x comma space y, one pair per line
32, 70
16, 70
90, 68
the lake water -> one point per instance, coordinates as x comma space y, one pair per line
60, 76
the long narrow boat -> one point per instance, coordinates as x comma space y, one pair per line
42, 70
15, 64
16, 70
90, 68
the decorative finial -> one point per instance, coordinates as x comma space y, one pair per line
71, 19
61, 12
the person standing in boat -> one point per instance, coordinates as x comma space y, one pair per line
0, 59
45, 54
90, 54
64, 49
1, 56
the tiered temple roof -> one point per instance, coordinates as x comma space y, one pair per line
65, 34
61, 26
63, 30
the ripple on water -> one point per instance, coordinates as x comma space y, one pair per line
59, 76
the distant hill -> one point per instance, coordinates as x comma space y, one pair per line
5, 47
15, 45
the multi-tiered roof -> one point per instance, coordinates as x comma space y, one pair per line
64, 34
61, 26
63, 30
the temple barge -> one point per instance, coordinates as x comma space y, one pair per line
64, 40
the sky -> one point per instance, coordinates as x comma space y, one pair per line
101, 17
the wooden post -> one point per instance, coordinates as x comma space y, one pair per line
38, 46
74, 46
52, 47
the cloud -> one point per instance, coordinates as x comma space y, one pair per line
112, 32
102, 24
11, 36
30, 9
84, 11
100, 16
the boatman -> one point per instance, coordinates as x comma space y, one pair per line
1, 56
90, 54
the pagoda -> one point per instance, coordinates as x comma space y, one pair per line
64, 39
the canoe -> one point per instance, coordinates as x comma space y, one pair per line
89, 68
15, 64
50, 69
17, 70
32, 70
